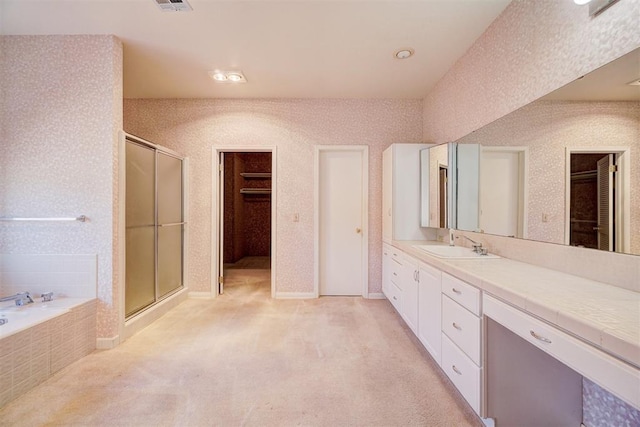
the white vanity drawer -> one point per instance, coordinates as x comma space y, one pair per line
621, 379
462, 327
396, 271
464, 374
395, 296
463, 293
397, 255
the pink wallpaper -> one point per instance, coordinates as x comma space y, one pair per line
193, 127
531, 49
60, 114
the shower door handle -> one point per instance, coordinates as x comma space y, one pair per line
172, 223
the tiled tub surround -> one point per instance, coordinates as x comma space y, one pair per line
604, 316
37, 345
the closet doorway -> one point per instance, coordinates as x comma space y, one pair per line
596, 187
243, 231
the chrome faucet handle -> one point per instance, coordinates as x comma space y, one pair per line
477, 247
46, 297
24, 298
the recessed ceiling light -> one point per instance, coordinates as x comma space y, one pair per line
219, 77
235, 77
228, 76
581, 2
404, 53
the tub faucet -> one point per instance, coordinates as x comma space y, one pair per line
21, 298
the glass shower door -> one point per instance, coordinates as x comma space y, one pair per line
140, 228
170, 224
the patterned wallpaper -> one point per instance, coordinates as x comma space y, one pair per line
531, 49
193, 127
547, 128
60, 114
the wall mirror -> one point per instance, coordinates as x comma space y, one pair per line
434, 185
563, 169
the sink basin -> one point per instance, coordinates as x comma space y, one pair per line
458, 252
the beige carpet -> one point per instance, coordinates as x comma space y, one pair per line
244, 359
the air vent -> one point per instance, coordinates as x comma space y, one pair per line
174, 5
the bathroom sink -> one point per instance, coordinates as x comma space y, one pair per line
458, 252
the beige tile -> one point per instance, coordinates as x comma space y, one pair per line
628, 347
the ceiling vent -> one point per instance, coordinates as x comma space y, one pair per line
174, 5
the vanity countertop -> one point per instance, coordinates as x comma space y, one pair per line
603, 315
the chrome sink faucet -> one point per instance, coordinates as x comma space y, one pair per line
21, 298
477, 247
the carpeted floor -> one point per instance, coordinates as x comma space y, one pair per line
245, 359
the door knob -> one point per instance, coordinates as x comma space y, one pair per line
358, 230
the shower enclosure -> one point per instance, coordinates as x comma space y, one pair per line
154, 225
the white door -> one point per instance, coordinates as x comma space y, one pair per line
500, 195
341, 221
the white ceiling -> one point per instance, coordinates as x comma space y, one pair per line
286, 49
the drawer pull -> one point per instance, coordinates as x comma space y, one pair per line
456, 291
456, 370
540, 337
394, 297
455, 325
395, 274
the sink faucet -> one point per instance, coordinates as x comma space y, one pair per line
477, 247
21, 298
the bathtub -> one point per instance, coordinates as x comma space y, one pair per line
40, 339
29, 315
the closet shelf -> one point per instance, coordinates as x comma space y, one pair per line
255, 174
255, 191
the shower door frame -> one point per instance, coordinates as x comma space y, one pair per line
128, 327
216, 204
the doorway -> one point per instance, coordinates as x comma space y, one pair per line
503, 191
341, 194
596, 215
244, 211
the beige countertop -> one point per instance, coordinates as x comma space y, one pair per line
603, 315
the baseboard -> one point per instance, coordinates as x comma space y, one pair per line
295, 295
200, 295
376, 295
107, 343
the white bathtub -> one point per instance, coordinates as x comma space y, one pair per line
29, 315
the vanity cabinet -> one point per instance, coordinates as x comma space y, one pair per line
410, 281
401, 193
430, 310
392, 274
462, 338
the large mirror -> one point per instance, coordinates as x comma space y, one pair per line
563, 169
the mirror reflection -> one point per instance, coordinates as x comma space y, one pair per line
562, 169
435, 188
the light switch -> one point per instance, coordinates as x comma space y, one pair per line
296, 217
545, 217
